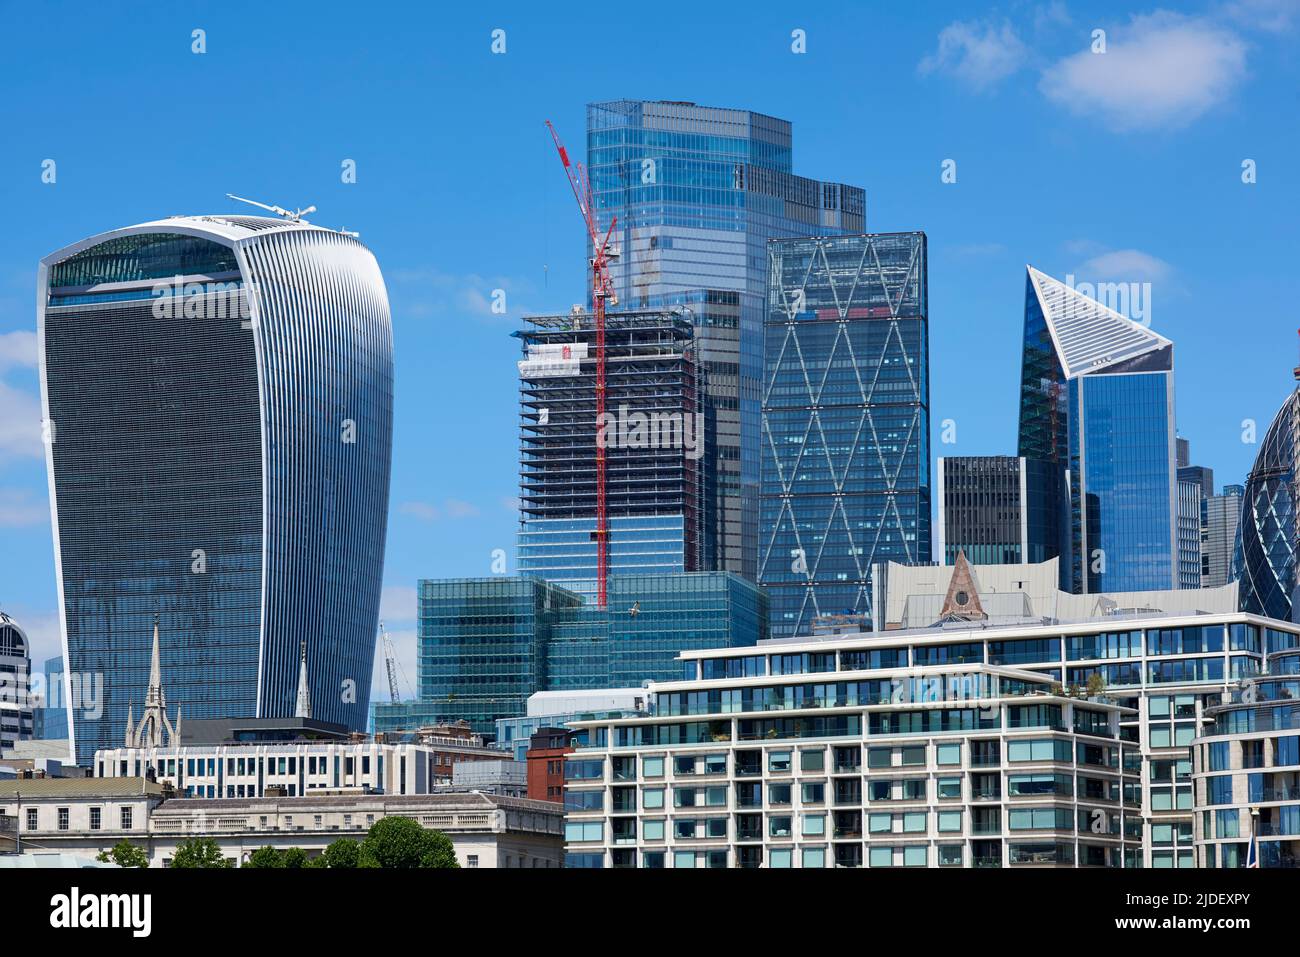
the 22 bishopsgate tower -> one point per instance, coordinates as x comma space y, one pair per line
698, 191
217, 392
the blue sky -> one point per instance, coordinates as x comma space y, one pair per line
1123, 166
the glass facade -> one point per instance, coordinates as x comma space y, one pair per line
220, 423
1096, 404
697, 192
998, 509
845, 422
485, 645
1265, 550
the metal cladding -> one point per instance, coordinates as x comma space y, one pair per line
218, 399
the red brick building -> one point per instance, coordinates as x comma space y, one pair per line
546, 750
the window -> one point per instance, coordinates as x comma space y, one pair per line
949, 787
471, 860
812, 760
882, 857
948, 754
578, 831
95, 816
814, 857
814, 793
814, 825
950, 855
779, 857
652, 767
63, 819
915, 856
652, 798
778, 794
31, 819
652, 830
949, 821
778, 762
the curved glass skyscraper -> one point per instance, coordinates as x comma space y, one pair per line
1264, 555
217, 392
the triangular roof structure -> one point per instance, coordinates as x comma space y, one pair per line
1089, 336
962, 602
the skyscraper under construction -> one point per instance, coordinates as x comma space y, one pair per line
657, 433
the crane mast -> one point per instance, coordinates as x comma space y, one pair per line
390, 664
602, 291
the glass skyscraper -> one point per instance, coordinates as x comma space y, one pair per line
486, 644
1097, 403
845, 422
698, 191
217, 393
657, 434
1265, 552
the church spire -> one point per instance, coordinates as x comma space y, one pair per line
304, 693
149, 732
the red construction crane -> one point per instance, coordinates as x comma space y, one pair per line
602, 290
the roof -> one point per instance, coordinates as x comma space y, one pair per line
449, 800
77, 787
1088, 335
229, 229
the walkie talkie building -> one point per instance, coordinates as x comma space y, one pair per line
217, 393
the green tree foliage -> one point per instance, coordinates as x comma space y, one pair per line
400, 842
199, 852
343, 853
124, 854
265, 857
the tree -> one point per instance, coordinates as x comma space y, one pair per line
124, 854
343, 853
199, 852
400, 842
294, 857
1096, 685
265, 857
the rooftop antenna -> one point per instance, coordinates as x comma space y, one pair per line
293, 217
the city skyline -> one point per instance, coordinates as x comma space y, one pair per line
1124, 223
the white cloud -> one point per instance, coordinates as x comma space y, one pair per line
458, 509
1130, 265
1272, 16
432, 512
979, 54
397, 603
18, 349
424, 292
421, 510
20, 423
1163, 70
18, 509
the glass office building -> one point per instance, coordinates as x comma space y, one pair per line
1265, 551
658, 431
845, 422
217, 392
1097, 402
697, 192
998, 509
486, 644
